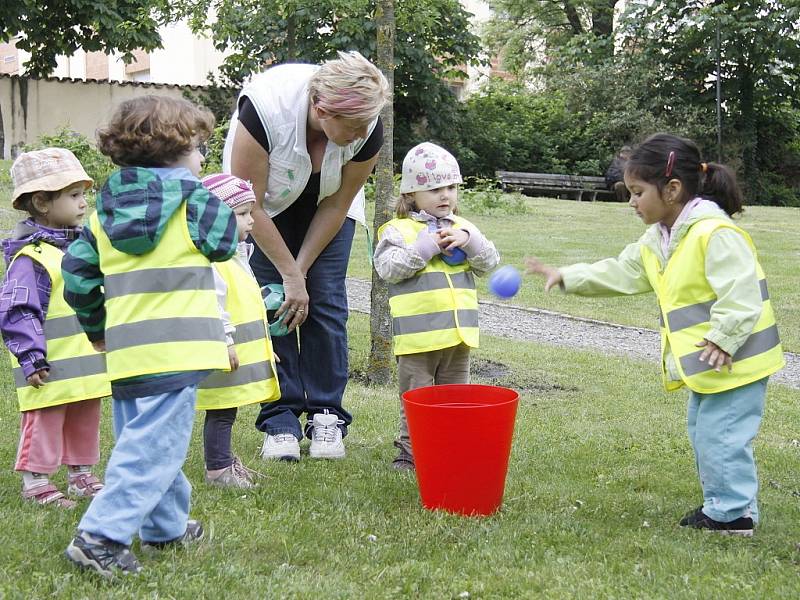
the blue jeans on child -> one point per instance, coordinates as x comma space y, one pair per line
312, 376
146, 491
721, 429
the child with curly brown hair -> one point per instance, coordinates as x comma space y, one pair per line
140, 281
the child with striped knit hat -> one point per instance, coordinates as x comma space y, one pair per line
252, 377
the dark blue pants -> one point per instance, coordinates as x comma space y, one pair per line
313, 368
217, 438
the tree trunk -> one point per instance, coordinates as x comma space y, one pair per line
750, 183
573, 18
379, 368
603, 19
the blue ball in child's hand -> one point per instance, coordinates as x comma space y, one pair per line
505, 282
456, 257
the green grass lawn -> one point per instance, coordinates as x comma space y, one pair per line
562, 232
600, 472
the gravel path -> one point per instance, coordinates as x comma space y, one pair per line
533, 324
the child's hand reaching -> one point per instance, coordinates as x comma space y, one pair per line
716, 356
233, 358
551, 274
37, 379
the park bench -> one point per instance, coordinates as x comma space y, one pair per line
578, 187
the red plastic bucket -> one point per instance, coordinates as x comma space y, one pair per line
461, 440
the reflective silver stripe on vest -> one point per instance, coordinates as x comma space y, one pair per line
159, 331
245, 374
170, 279
757, 343
61, 327
434, 280
764, 290
434, 321
687, 316
248, 332
68, 368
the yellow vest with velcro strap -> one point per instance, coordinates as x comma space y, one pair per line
255, 380
685, 300
161, 308
437, 307
77, 372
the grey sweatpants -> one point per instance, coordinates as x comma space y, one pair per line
438, 367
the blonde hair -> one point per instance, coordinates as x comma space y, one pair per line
350, 87
153, 131
405, 204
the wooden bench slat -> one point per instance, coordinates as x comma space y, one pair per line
575, 185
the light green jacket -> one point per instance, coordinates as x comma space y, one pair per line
730, 269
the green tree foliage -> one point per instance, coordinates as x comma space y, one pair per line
760, 57
541, 32
433, 45
661, 75
576, 125
52, 27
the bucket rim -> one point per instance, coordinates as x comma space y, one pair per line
513, 395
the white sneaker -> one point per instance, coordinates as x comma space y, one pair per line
326, 437
282, 446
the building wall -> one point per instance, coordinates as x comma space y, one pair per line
185, 59
30, 108
9, 61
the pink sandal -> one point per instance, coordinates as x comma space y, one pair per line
48, 494
84, 485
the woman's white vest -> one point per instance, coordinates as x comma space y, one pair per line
77, 371
685, 299
280, 96
438, 306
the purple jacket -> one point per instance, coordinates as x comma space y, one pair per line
25, 294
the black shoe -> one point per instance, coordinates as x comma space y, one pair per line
685, 519
404, 461
741, 526
194, 533
106, 557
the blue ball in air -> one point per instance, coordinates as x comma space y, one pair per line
505, 282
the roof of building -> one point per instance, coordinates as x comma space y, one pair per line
96, 81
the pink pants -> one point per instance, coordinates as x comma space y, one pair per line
68, 434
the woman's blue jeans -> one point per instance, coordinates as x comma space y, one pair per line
313, 368
721, 429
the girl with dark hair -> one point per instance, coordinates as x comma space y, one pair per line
714, 309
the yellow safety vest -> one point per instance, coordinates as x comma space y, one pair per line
77, 372
161, 307
685, 300
437, 307
255, 380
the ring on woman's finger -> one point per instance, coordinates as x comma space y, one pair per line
301, 310
291, 310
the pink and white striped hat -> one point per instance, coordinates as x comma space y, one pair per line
230, 189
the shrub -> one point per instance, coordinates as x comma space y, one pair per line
481, 196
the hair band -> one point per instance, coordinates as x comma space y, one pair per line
670, 163
704, 167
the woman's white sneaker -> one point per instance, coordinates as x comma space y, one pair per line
326, 437
281, 446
